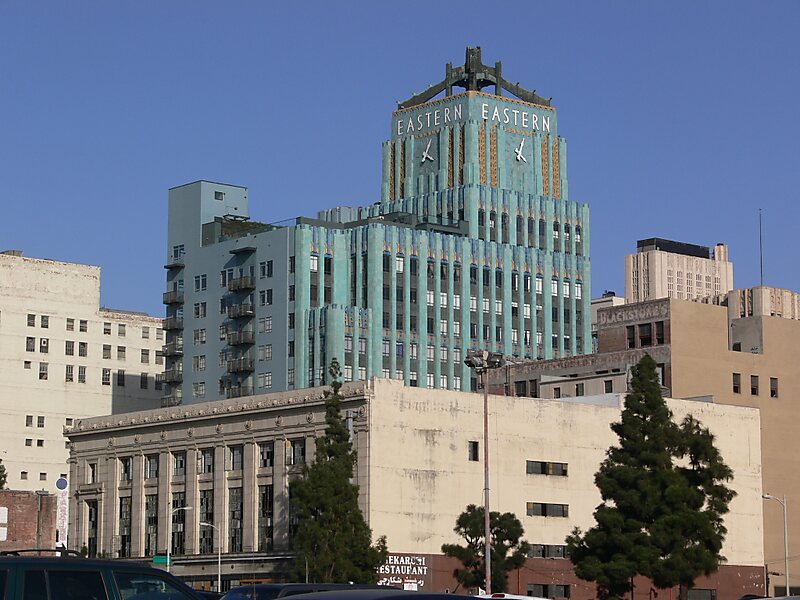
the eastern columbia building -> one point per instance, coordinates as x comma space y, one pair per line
474, 244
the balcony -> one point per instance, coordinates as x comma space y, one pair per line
172, 376
174, 262
172, 323
237, 338
173, 297
171, 400
238, 311
238, 391
173, 349
240, 365
246, 282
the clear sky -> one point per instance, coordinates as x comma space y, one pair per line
681, 117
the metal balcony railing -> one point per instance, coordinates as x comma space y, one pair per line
173, 297
239, 365
239, 391
173, 349
236, 338
237, 311
172, 376
246, 282
172, 323
171, 400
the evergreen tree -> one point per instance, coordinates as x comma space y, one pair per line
332, 542
508, 549
664, 494
2, 475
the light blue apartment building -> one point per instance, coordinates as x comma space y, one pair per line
474, 244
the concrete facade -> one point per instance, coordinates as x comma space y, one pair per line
63, 357
417, 470
707, 353
474, 243
666, 269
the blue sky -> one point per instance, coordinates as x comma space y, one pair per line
681, 117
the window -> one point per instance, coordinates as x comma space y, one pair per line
737, 383
83, 325
83, 349
30, 344
753, 385
24, 476
295, 452
31, 320
151, 466
608, 386
70, 373
773, 387
45, 322
543, 509
121, 330
179, 464
266, 455
143, 381
91, 473
145, 357
554, 287
106, 328
199, 363
106, 350
40, 443
160, 356
547, 551
145, 333
69, 348
265, 269
291, 320
121, 352
548, 590
539, 467
125, 465
235, 460
200, 283
29, 441
200, 336
265, 380
205, 460
290, 377
265, 324
26, 364
472, 451
314, 267
106, 377
121, 378
199, 389
81, 374
132, 583
43, 370
200, 310
631, 336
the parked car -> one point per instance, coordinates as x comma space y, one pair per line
386, 593
271, 591
24, 576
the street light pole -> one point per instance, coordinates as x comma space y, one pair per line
219, 554
481, 362
169, 531
785, 537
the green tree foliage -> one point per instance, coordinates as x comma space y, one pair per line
664, 497
508, 549
332, 542
2, 475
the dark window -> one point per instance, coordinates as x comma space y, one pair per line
754, 385
773, 387
542, 509
132, 584
631, 331
737, 383
35, 587
608, 384
556, 392
579, 389
540, 467
645, 334
520, 388
659, 332
473, 450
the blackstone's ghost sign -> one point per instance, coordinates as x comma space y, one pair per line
407, 571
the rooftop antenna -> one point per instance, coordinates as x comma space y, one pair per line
760, 249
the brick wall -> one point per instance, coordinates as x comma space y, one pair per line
21, 517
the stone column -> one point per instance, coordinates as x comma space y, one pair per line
164, 502
191, 528
250, 498
280, 492
220, 499
137, 506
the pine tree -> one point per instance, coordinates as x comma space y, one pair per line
508, 549
664, 495
332, 542
2, 475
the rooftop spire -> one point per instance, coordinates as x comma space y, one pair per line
474, 76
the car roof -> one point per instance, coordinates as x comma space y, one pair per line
77, 562
373, 594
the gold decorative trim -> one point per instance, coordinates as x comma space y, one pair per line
482, 152
392, 181
545, 166
556, 170
450, 158
493, 155
461, 144
402, 168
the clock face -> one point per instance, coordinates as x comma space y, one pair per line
428, 151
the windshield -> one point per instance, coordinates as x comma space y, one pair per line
251, 593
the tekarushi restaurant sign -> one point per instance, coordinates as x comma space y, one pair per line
406, 571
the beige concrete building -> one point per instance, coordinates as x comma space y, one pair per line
418, 467
607, 300
666, 269
759, 301
704, 352
62, 358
